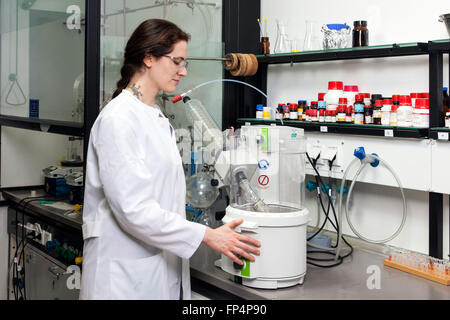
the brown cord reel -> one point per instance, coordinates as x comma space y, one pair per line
241, 64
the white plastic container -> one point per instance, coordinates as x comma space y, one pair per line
405, 116
335, 91
386, 112
421, 113
350, 92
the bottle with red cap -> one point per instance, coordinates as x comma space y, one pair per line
386, 112
349, 114
405, 112
294, 111
342, 110
335, 91
359, 109
321, 115
366, 97
279, 114
377, 112
314, 117
286, 112
421, 113
414, 96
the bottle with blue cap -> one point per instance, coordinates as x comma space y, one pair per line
259, 111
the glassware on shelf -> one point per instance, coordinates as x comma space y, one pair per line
336, 36
282, 44
311, 41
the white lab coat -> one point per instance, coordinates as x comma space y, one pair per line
137, 240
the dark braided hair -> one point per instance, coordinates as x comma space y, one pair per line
154, 37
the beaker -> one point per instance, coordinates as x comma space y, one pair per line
281, 43
311, 41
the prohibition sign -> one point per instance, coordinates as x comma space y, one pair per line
263, 180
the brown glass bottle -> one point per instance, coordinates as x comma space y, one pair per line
360, 34
265, 45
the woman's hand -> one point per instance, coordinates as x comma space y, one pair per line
231, 243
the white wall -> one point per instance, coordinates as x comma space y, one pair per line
376, 208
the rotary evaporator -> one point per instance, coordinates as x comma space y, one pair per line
263, 170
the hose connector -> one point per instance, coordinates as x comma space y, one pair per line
372, 159
180, 97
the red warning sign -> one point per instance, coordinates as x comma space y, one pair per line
263, 180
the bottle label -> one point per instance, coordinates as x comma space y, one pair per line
368, 119
377, 114
359, 118
341, 117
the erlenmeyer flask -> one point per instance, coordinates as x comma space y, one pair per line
311, 37
281, 44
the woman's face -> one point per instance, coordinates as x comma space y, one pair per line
165, 72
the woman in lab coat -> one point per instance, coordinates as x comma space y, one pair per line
137, 241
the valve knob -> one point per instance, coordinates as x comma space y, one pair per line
360, 153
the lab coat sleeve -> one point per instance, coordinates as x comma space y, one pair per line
131, 191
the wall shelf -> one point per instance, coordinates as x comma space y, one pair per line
381, 51
442, 134
43, 125
342, 128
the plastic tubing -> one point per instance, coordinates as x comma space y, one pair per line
237, 81
405, 209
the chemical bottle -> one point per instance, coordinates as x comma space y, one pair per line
314, 117
404, 112
386, 112
299, 110
349, 114
341, 110
414, 96
286, 112
366, 97
306, 111
294, 111
350, 92
279, 114
421, 113
359, 109
446, 100
266, 113
377, 112
334, 93
322, 115
259, 111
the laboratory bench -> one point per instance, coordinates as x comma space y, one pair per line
46, 259
348, 281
